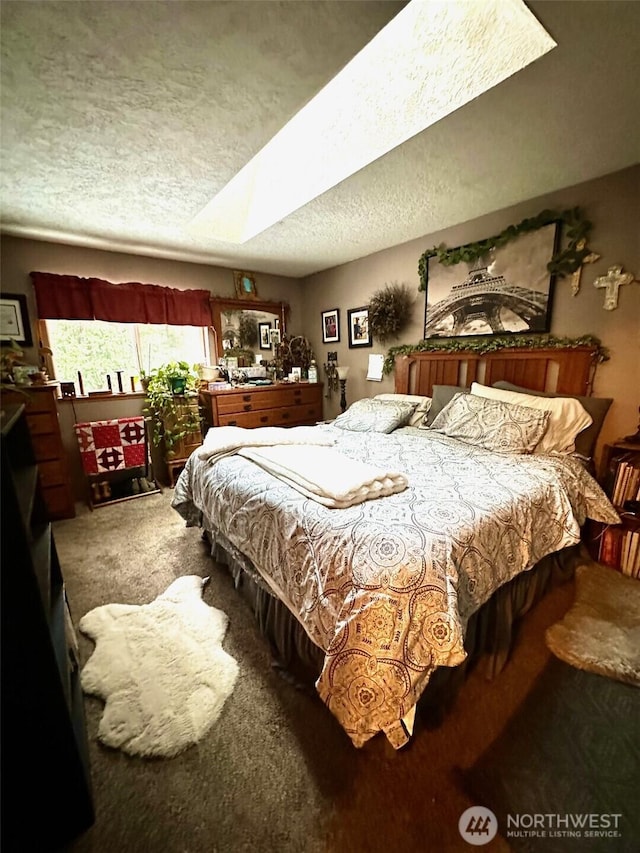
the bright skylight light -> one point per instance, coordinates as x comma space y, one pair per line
431, 59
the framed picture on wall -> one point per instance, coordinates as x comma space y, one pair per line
264, 331
509, 291
358, 324
331, 326
245, 284
14, 319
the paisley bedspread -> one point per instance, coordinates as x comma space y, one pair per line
386, 587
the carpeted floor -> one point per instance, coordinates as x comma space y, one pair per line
276, 774
582, 731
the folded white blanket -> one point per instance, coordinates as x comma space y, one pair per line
225, 440
325, 475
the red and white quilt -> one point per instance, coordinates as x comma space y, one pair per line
111, 445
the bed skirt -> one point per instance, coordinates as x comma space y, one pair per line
488, 641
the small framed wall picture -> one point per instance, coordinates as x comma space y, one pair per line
359, 332
274, 337
264, 335
245, 284
331, 326
14, 319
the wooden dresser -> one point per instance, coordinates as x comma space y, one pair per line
44, 428
274, 405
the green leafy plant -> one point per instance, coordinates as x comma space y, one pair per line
245, 356
564, 261
172, 403
390, 311
492, 343
248, 330
11, 356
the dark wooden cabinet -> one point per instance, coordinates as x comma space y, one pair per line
44, 427
277, 405
46, 788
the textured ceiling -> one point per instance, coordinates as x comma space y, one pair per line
121, 120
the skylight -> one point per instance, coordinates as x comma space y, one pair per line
431, 59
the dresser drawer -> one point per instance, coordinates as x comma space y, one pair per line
47, 447
52, 473
43, 423
250, 420
43, 400
289, 416
248, 401
276, 398
58, 501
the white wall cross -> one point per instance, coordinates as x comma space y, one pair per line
612, 282
591, 258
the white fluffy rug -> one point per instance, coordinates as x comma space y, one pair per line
160, 668
601, 631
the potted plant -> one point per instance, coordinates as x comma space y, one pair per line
172, 403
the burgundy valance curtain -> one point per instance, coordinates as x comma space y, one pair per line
69, 297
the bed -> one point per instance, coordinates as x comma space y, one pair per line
381, 595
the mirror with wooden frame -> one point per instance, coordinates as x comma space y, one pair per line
238, 324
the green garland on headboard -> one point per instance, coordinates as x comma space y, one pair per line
564, 262
491, 344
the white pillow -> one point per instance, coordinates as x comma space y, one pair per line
567, 417
423, 405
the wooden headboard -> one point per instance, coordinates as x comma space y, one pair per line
563, 371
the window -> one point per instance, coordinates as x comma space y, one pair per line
98, 349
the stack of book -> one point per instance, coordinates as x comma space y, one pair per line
620, 548
626, 480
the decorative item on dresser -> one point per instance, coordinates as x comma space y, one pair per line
42, 419
277, 405
46, 791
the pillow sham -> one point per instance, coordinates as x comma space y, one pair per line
597, 407
375, 416
566, 416
442, 394
492, 424
423, 405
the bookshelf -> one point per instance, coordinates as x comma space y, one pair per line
46, 795
618, 545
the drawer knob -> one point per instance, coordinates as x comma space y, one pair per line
285, 416
264, 419
246, 398
247, 408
